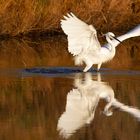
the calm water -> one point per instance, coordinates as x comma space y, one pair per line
40, 99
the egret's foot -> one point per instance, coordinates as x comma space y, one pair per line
89, 70
85, 70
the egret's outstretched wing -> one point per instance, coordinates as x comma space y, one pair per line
132, 33
81, 36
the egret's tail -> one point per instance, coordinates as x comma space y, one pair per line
78, 60
131, 110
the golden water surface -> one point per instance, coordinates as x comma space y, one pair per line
46, 107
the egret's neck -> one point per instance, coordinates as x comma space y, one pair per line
109, 40
111, 46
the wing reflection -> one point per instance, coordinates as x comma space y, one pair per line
82, 102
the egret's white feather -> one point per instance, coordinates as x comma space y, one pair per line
132, 33
81, 36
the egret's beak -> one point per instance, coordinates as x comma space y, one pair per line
117, 39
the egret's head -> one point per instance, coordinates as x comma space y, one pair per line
110, 35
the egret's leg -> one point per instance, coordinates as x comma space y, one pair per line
88, 63
99, 66
87, 67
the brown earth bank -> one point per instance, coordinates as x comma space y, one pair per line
29, 17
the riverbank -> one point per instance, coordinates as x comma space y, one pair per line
42, 17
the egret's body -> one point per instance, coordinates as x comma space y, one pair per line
84, 45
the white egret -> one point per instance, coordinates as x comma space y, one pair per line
84, 45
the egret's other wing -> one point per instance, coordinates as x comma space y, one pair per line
132, 33
81, 36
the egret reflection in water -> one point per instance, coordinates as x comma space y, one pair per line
82, 102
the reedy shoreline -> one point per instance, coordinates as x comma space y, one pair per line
28, 17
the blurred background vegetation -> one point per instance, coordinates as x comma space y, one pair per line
22, 17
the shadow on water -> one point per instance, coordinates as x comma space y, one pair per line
62, 71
